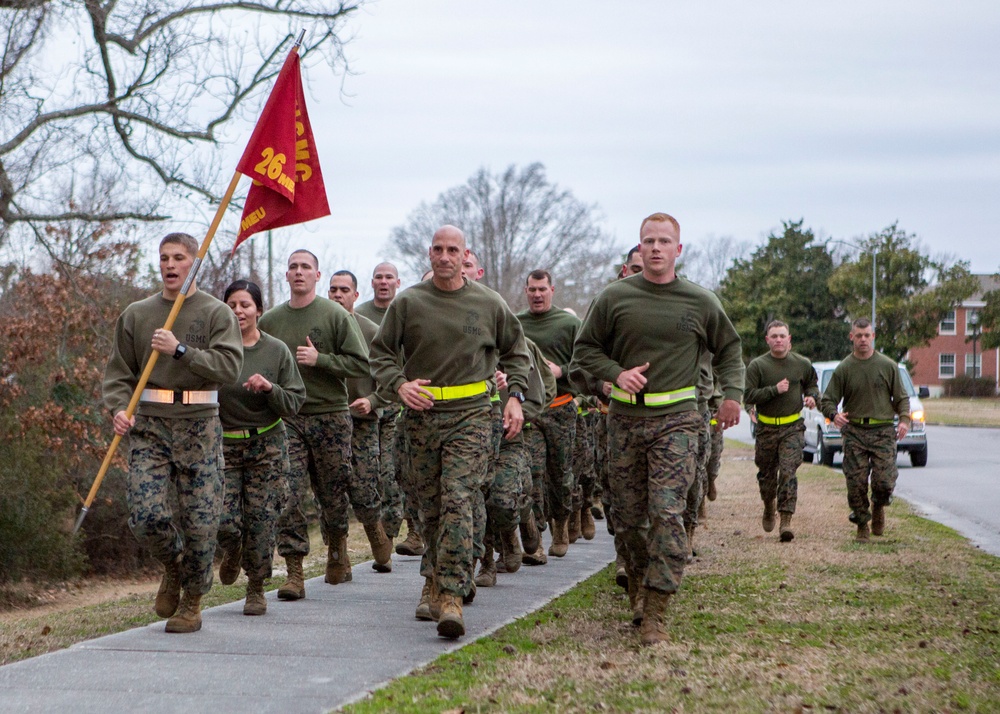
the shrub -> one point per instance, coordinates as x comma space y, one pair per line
965, 386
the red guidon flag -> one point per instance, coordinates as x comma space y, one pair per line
281, 159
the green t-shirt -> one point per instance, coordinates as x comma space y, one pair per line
372, 311
213, 358
634, 321
764, 373
451, 338
239, 408
870, 388
335, 334
554, 332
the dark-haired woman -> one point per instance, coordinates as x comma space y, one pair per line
253, 442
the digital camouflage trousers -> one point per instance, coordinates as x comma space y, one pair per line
652, 468
778, 455
869, 450
319, 456
449, 454
185, 453
558, 426
256, 487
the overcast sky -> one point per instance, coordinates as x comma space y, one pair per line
732, 116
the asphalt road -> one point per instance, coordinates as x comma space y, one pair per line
959, 487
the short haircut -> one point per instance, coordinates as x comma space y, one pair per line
775, 323
354, 278
539, 275
660, 218
189, 243
395, 271
250, 287
309, 253
631, 251
475, 258
861, 323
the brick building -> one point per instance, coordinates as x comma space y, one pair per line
950, 354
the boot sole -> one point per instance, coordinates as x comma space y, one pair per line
400, 550
787, 536
621, 580
382, 567
291, 595
182, 629
451, 627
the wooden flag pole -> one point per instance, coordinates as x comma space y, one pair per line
148, 370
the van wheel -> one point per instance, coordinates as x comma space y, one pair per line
919, 458
825, 455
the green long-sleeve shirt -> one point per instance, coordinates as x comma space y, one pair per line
541, 385
372, 311
554, 332
358, 387
335, 335
213, 358
451, 338
239, 408
634, 321
764, 373
870, 388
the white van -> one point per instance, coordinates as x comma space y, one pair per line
824, 440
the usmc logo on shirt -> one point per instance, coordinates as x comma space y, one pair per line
316, 337
687, 323
471, 326
196, 333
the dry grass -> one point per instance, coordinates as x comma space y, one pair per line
963, 411
76, 612
907, 623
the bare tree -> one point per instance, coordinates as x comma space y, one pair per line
706, 262
516, 222
135, 94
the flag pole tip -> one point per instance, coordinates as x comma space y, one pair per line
302, 34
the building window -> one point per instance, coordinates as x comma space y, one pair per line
946, 366
978, 366
971, 319
947, 324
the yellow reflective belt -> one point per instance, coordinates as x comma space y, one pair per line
459, 391
248, 433
655, 399
494, 399
778, 421
868, 420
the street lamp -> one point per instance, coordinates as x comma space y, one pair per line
972, 318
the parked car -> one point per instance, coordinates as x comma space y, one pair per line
823, 439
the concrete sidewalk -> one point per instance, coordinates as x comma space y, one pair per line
312, 655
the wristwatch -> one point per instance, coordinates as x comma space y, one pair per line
180, 351
519, 396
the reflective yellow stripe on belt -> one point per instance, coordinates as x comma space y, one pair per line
778, 421
655, 399
459, 391
249, 433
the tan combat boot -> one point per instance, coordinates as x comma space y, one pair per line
770, 511
636, 600
188, 617
689, 529
703, 510
654, 628
295, 584
450, 622
588, 529
863, 533
621, 572
712, 491
487, 576
510, 550
878, 520
560, 537
530, 537
785, 529
573, 529
414, 544
381, 547
338, 565
427, 596
255, 603
537, 558
230, 567
169, 594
